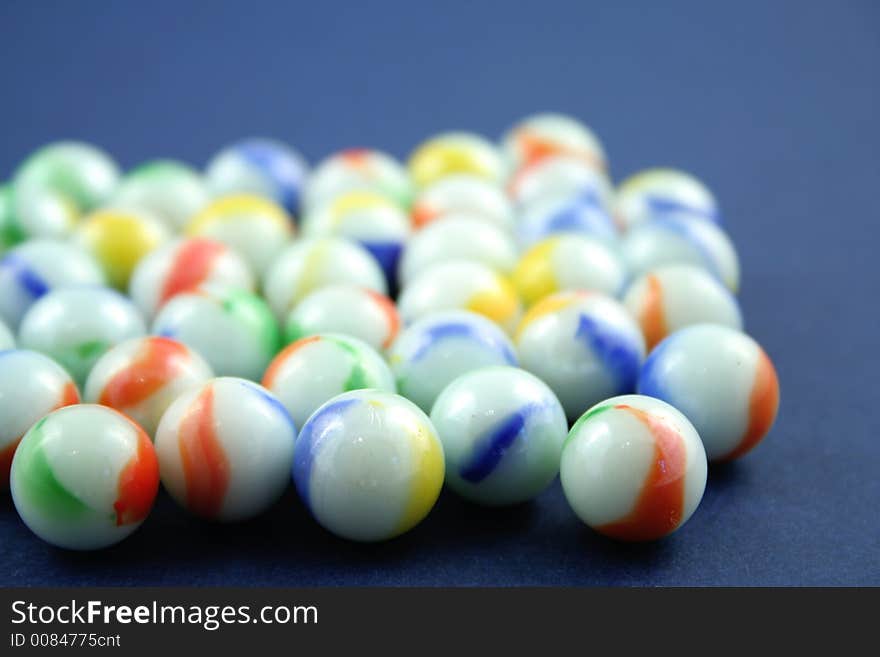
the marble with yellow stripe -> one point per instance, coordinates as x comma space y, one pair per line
369, 465
461, 285
455, 153
568, 262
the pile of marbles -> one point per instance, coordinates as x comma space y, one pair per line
488, 316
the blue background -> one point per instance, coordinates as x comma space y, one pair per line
774, 104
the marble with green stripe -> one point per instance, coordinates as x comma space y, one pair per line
253, 312
43, 488
232, 329
59, 183
84, 477
77, 325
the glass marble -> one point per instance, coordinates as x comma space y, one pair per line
722, 380
169, 190
314, 369
457, 236
60, 183
568, 262
463, 194
36, 267
310, 264
455, 153
257, 229
584, 345
685, 239
182, 266
633, 468
559, 175
84, 477
11, 232
263, 167
674, 296
502, 431
581, 213
31, 386
141, 377
659, 192
368, 218
543, 135
225, 449
118, 239
348, 309
437, 349
77, 325
368, 465
360, 169
232, 329
461, 285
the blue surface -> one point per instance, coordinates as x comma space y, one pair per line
774, 104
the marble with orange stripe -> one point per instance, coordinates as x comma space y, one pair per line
675, 296
463, 194
225, 449
633, 468
141, 377
253, 226
184, 265
540, 136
